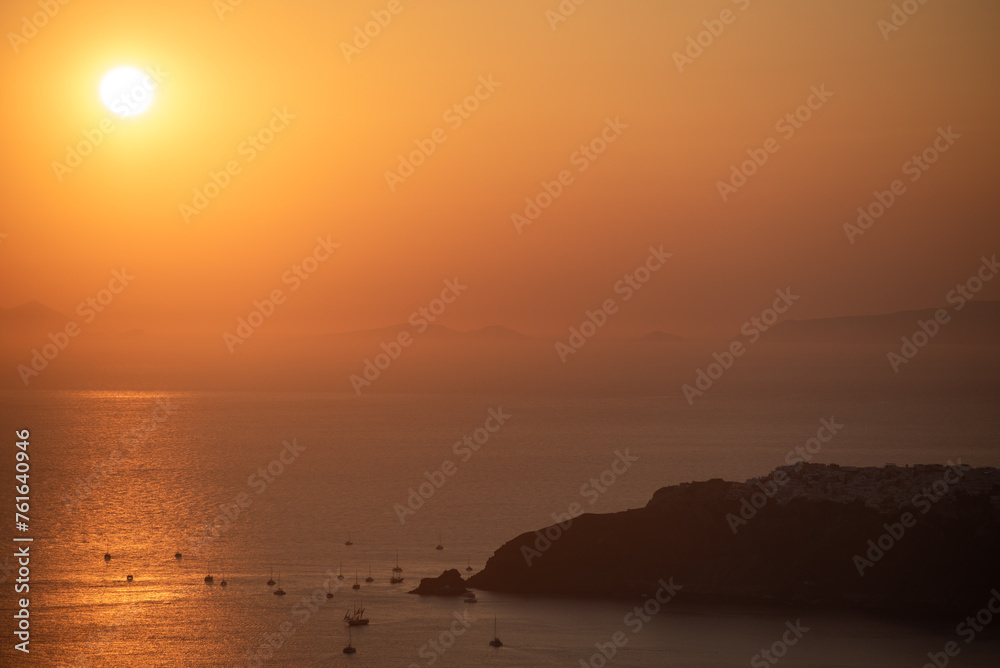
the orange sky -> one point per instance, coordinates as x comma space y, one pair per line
324, 172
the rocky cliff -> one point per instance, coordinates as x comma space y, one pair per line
733, 541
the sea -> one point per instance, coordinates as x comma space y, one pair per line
246, 484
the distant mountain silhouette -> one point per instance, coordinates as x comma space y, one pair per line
657, 335
493, 332
392, 331
496, 332
30, 319
977, 323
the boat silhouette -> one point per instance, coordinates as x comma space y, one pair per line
356, 617
350, 648
496, 641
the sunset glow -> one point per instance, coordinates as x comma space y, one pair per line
617, 332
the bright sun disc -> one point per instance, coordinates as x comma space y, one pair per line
127, 91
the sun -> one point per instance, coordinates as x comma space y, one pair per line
127, 91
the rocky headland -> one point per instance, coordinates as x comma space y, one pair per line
915, 539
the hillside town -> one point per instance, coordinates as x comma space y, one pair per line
884, 488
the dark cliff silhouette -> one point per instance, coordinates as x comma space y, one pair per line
802, 551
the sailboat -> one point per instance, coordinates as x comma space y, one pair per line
270, 579
350, 648
223, 583
496, 641
469, 562
279, 591
178, 555
208, 578
356, 585
439, 546
357, 617
340, 571
348, 538
107, 554
369, 578
396, 577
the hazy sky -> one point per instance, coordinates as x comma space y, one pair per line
551, 90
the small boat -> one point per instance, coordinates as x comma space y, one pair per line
350, 648
128, 578
329, 594
279, 591
356, 585
357, 617
209, 579
397, 569
396, 578
439, 545
469, 566
107, 554
340, 571
369, 578
178, 555
496, 641
270, 580
348, 543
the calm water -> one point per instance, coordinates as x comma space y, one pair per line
361, 456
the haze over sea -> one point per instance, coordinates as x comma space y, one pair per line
361, 456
